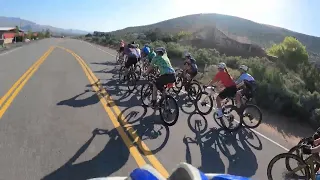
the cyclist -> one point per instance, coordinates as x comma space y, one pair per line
139, 52
148, 53
167, 73
131, 50
121, 50
247, 81
190, 67
226, 80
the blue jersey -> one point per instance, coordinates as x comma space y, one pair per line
244, 76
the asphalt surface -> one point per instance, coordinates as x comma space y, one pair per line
54, 125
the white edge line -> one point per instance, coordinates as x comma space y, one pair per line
265, 137
10, 51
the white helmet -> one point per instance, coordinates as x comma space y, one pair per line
187, 54
244, 67
222, 65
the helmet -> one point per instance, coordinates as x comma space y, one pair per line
160, 49
244, 67
146, 50
222, 65
137, 45
132, 42
187, 54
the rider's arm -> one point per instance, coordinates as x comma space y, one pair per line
239, 82
215, 80
152, 64
316, 142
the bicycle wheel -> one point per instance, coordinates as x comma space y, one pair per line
228, 121
117, 57
121, 73
138, 72
146, 94
298, 151
248, 114
166, 113
178, 85
193, 90
204, 103
290, 173
132, 81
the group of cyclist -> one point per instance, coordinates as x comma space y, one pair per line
158, 58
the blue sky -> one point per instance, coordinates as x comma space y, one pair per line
107, 15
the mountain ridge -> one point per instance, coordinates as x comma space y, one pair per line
237, 28
30, 25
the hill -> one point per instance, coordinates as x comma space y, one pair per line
238, 29
29, 25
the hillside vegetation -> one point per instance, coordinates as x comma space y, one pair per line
288, 84
235, 28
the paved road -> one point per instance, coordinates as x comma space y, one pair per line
54, 125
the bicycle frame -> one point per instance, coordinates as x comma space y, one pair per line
310, 161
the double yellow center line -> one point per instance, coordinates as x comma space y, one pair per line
116, 116
7, 99
107, 103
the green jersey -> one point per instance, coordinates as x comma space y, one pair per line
163, 63
151, 55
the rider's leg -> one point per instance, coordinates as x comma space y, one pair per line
219, 98
157, 86
238, 98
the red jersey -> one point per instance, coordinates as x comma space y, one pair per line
224, 78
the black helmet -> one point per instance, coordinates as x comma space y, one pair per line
132, 42
160, 49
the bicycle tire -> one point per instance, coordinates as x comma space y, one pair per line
191, 92
138, 72
286, 156
131, 78
176, 108
117, 58
145, 89
177, 88
260, 115
231, 107
292, 151
210, 103
121, 73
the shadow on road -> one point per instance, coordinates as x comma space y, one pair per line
148, 128
114, 155
235, 146
77, 102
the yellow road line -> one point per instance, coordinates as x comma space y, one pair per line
17, 86
108, 101
133, 150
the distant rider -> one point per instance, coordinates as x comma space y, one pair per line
167, 73
121, 50
190, 69
131, 50
247, 81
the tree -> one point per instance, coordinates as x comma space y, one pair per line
29, 34
47, 33
291, 51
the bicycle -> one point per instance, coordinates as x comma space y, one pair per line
192, 87
227, 109
120, 59
162, 101
297, 149
208, 100
132, 77
309, 165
